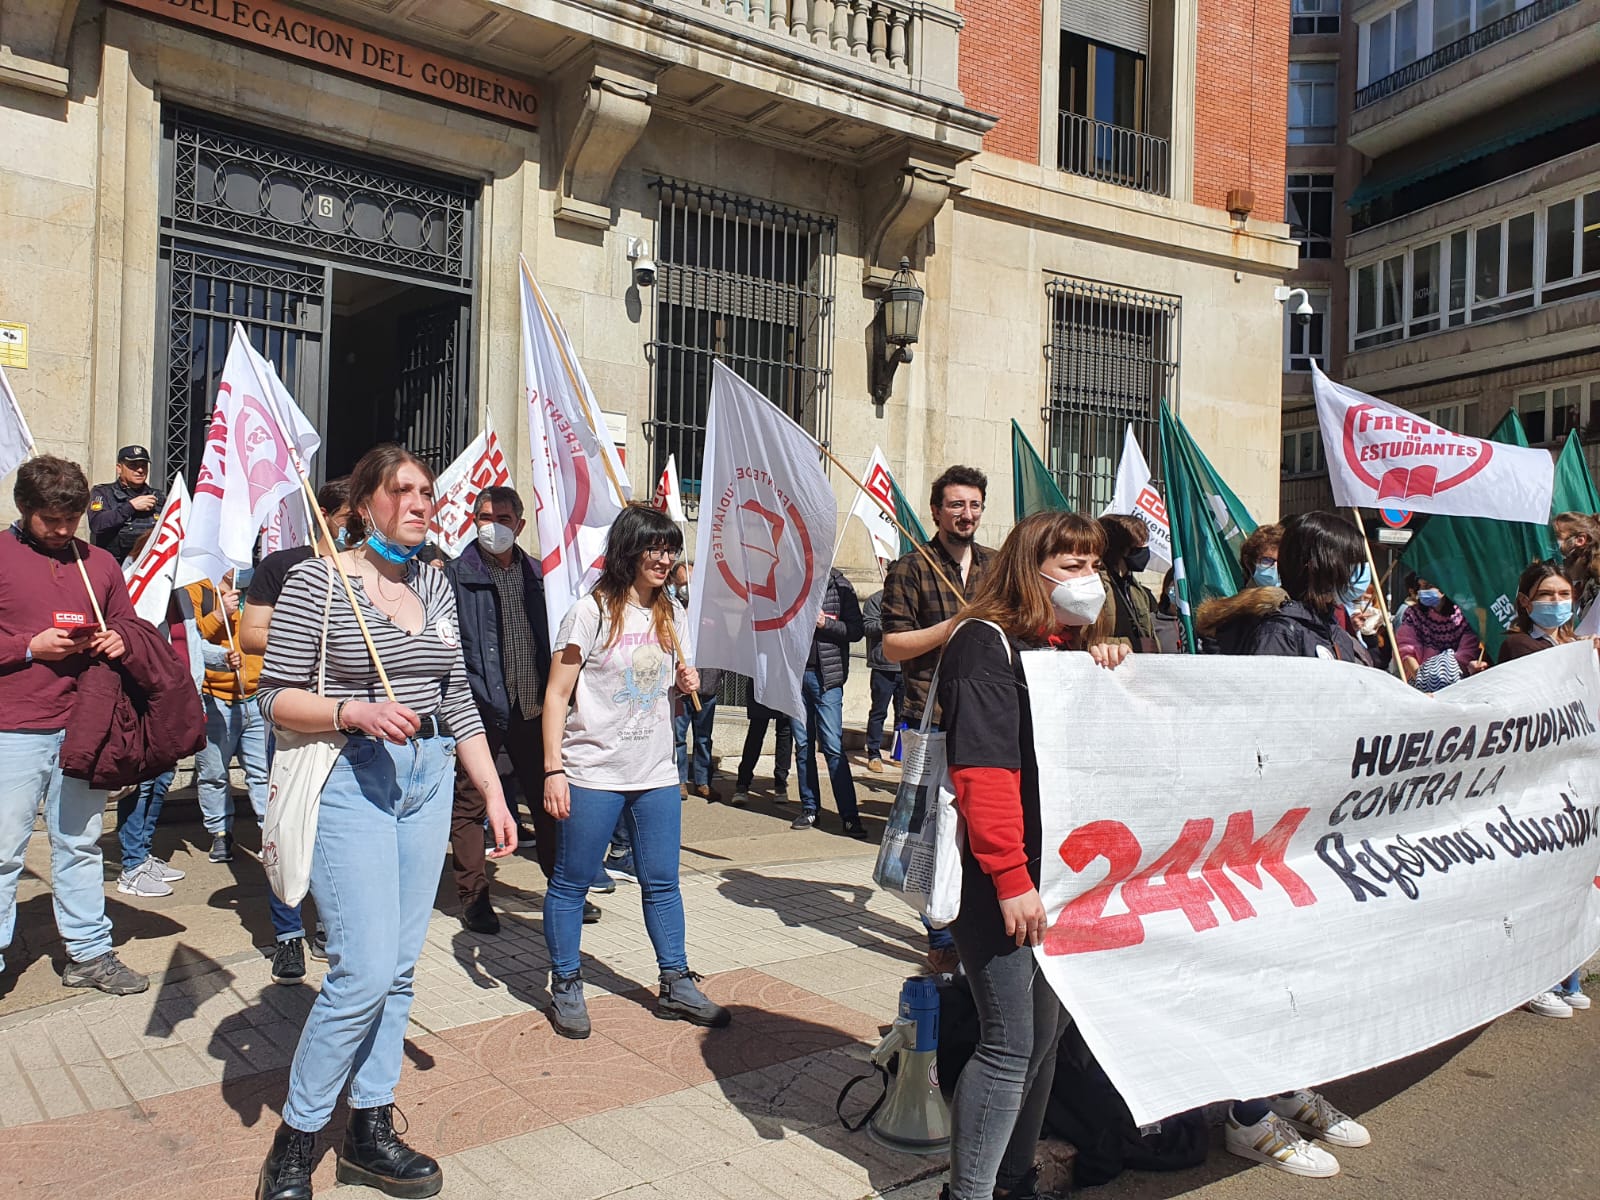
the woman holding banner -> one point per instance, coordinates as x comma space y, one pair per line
609, 754
1436, 625
1545, 609
403, 702
1042, 590
1322, 561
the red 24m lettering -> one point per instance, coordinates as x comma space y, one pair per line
1169, 883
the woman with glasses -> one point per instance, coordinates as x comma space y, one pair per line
608, 722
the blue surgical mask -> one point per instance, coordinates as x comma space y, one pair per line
1266, 575
1360, 581
341, 538
1430, 597
393, 551
1550, 614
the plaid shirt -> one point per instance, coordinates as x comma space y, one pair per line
518, 656
915, 598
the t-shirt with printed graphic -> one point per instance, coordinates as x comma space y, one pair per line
619, 732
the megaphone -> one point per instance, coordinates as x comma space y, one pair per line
912, 1116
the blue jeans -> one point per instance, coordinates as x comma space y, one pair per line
30, 773
381, 834
696, 771
824, 726
886, 686
231, 729
139, 814
654, 822
238, 729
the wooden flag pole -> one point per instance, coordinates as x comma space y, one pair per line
677, 648
322, 523
94, 601
1383, 604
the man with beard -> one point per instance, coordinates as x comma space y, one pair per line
920, 607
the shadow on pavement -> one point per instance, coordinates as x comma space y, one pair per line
836, 908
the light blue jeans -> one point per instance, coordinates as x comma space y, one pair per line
654, 823
231, 729
381, 834
30, 774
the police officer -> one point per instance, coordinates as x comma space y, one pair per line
121, 512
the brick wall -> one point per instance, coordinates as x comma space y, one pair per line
1241, 102
1001, 48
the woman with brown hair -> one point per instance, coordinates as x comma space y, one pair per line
1579, 536
1127, 553
1042, 591
384, 814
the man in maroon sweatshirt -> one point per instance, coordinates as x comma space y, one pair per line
48, 635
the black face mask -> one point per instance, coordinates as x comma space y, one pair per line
1137, 560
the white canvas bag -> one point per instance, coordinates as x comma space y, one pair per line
301, 765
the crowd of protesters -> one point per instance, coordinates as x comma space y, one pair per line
426, 676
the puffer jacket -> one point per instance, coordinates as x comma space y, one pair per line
830, 646
135, 718
1224, 624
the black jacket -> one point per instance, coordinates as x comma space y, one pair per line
872, 616
478, 613
830, 647
1296, 631
114, 526
1224, 626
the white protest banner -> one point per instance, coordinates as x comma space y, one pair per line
158, 569
16, 439
669, 491
481, 465
1136, 496
248, 468
288, 526
1380, 456
579, 484
879, 481
767, 521
1308, 869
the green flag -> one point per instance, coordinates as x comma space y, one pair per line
906, 515
1033, 488
1209, 525
1477, 561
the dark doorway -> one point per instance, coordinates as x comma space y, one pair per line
394, 371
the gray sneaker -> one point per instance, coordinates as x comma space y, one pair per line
682, 1000
106, 973
740, 798
142, 881
569, 1015
163, 870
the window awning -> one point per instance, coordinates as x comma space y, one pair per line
1476, 139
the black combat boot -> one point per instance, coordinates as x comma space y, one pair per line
286, 1175
375, 1157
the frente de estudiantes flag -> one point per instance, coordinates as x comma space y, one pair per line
1380, 456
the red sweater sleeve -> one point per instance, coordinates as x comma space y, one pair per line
990, 802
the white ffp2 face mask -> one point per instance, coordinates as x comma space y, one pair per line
495, 538
1077, 601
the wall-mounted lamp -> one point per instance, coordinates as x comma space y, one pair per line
895, 327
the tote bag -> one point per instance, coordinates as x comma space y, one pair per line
301, 765
919, 859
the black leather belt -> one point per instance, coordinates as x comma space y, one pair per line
431, 727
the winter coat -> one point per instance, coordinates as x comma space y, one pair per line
830, 646
872, 619
1225, 625
478, 618
1295, 631
135, 718
1136, 608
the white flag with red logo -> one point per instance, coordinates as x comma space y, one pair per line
158, 569
767, 520
669, 491
879, 481
249, 466
1380, 456
16, 439
579, 484
288, 526
1136, 496
481, 465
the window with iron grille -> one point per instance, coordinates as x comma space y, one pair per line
1113, 358
748, 282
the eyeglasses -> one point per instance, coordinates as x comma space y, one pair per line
137, 466
666, 552
963, 506
1266, 561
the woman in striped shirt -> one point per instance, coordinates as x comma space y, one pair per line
384, 815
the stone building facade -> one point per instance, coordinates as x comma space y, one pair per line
354, 180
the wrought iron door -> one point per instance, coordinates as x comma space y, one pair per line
428, 420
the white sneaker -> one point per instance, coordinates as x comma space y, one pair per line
162, 871
142, 881
1273, 1141
1548, 1004
1574, 999
1312, 1115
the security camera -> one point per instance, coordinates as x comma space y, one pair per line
1303, 311
644, 267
